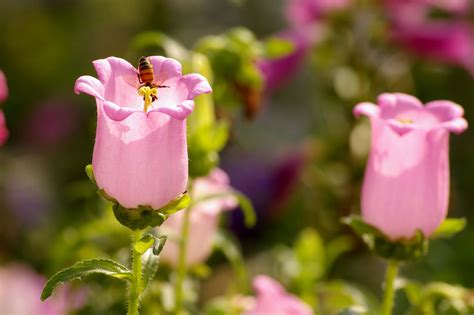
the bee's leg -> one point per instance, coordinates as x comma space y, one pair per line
139, 79
163, 86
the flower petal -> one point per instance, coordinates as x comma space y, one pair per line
457, 125
3, 87
165, 68
399, 127
89, 85
180, 111
367, 109
195, 84
117, 113
445, 110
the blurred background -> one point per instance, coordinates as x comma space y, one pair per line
286, 77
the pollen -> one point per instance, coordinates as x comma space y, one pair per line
149, 95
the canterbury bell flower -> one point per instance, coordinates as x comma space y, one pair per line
273, 299
406, 184
204, 219
140, 154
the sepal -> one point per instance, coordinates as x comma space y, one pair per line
401, 250
144, 215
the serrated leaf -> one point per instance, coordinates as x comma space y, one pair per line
84, 268
449, 227
144, 243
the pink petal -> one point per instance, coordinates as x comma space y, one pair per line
3, 129
180, 111
118, 113
445, 110
195, 85
89, 85
120, 81
165, 69
458, 125
3, 87
367, 109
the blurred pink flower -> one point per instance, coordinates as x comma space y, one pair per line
3, 96
273, 299
304, 12
3, 87
406, 184
448, 40
141, 158
204, 219
20, 291
278, 71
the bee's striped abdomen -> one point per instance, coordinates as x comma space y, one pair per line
145, 71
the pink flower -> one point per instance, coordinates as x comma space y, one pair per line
203, 219
279, 70
273, 299
446, 40
304, 12
406, 185
3, 96
140, 158
20, 292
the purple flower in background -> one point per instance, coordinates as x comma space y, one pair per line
51, 123
3, 96
301, 13
276, 72
449, 40
406, 183
20, 291
273, 299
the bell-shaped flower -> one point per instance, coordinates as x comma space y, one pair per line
140, 154
406, 184
204, 219
273, 299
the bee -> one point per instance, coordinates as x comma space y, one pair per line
146, 76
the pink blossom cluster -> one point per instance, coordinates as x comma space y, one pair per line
449, 40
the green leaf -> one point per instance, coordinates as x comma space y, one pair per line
360, 226
449, 227
311, 255
144, 244
90, 173
250, 217
276, 47
85, 268
159, 244
150, 266
179, 203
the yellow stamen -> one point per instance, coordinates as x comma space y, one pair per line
147, 94
405, 121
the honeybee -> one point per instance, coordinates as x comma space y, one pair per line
146, 76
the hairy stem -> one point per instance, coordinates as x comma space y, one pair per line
389, 295
182, 268
136, 283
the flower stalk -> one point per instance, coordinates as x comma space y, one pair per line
136, 283
182, 268
389, 290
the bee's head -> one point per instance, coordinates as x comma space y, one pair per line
142, 59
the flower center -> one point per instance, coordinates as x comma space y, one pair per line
150, 94
405, 121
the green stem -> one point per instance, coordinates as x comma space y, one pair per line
182, 268
389, 295
136, 283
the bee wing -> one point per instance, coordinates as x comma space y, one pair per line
132, 79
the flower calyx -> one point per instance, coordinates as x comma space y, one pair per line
142, 216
